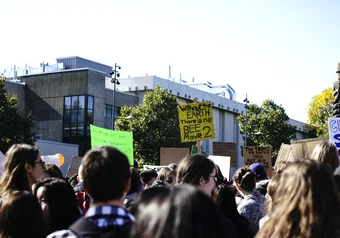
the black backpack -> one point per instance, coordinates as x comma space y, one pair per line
83, 228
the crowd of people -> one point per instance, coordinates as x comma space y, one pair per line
192, 199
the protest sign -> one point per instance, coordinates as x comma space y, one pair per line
223, 162
74, 166
304, 148
157, 168
284, 156
334, 132
57, 159
225, 149
121, 140
172, 155
258, 154
196, 121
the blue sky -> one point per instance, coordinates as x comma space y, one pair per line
281, 50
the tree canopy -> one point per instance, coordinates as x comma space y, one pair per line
320, 109
266, 125
15, 127
155, 124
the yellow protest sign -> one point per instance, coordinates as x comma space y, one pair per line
121, 140
196, 121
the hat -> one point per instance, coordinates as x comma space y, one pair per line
258, 170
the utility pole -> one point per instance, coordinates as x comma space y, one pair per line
114, 75
246, 101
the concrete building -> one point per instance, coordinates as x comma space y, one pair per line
67, 97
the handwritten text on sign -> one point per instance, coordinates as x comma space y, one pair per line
196, 121
257, 154
121, 140
334, 132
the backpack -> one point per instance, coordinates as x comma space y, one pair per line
83, 228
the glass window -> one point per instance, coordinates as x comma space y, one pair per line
90, 102
81, 102
76, 113
67, 103
108, 111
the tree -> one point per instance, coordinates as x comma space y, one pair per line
266, 125
155, 124
320, 109
15, 127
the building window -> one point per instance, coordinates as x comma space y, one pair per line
74, 107
90, 105
108, 111
117, 111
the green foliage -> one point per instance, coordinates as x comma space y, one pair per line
320, 109
15, 127
155, 125
266, 125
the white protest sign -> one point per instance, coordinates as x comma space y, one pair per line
334, 132
57, 159
157, 168
223, 162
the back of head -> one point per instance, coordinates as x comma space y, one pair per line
167, 175
305, 203
226, 201
21, 215
245, 178
192, 168
53, 171
182, 213
148, 176
14, 174
337, 177
326, 153
62, 204
135, 181
258, 170
106, 172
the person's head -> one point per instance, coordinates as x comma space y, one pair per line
182, 212
21, 216
52, 171
73, 180
106, 174
23, 167
336, 176
259, 171
244, 180
159, 184
80, 172
173, 166
326, 153
306, 201
135, 181
58, 203
147, 177
167, 175
199, 171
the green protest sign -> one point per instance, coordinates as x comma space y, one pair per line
121, 140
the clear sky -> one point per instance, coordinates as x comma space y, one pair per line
270, 49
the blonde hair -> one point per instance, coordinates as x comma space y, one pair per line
305, 203
326, 153
271, 189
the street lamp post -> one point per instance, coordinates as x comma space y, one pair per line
246, 101
114, 75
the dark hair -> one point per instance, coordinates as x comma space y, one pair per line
139, 202
159, 184
53, 171
106, 172
226, 202
62, 204
192, 168
73, 181
245, 178
135, 181
182, 212
21, 216
147, 175
14, 174
166, 174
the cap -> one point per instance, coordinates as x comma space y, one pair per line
258, 170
